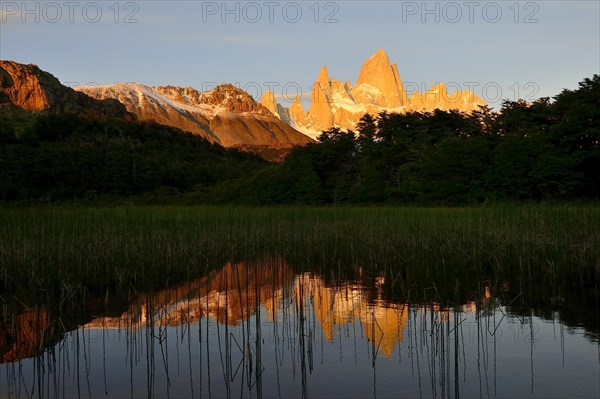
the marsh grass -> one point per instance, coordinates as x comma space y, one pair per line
63, 255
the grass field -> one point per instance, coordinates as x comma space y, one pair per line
58, 252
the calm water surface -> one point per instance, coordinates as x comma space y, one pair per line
263, 330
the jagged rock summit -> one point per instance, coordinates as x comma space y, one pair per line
379, 83
268, 101
378, 88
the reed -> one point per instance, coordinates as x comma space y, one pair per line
63, 255
261, 329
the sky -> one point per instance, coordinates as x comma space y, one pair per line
500, 49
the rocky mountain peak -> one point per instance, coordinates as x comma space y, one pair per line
226, 114
381, 82
233, 99
268, 101
30, 88
323, 78
437, 97
320, 107
378, 88
377, 64
298, 115
24, 85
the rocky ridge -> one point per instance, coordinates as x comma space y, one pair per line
30, 88
378, 88
225, 115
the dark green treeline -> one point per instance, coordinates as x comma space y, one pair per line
546, 150
527, 151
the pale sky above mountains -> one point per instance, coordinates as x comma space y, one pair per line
502, 49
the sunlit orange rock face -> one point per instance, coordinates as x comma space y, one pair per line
228, 296
321, 104
225, 115
437, 97
237, 291
21, 337
378, 88
383, 323
298, 115
381, 80
30, 88
233, 294
22, 85
268, 101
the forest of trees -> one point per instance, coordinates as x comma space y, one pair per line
56, 157
546, 150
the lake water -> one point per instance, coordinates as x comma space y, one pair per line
265, 330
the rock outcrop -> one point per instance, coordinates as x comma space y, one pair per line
378, 88
379, 83
268, 101
321, 107
437, 97
298, 115
30, 88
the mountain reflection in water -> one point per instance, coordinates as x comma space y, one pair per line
261, 329
238, 291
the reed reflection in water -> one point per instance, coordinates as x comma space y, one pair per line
262, 330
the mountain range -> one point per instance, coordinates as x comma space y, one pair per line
30, 88
228, 115
378, 88
225, 115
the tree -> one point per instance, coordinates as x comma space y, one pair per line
7, 133
577, 131
366, 128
